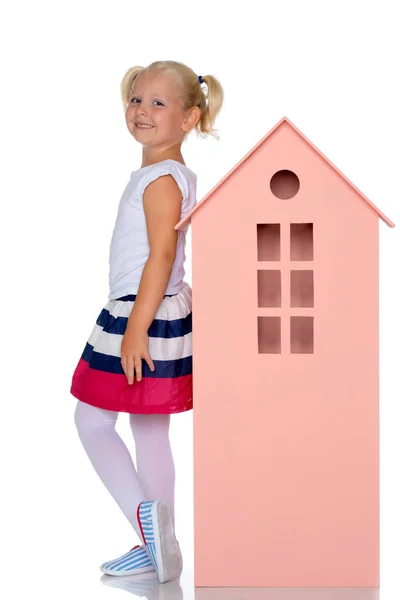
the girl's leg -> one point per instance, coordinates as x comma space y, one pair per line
154, 460
110, 458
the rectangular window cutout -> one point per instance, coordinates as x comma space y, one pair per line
301, 241
302, 335
269, 288
268, 241
269, 335
302, 288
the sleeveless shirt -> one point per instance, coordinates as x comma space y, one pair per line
129, 247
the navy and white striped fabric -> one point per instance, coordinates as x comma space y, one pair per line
99, 378
134, 562
170, 342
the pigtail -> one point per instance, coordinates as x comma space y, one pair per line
210, 103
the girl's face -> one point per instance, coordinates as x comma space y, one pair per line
153, 101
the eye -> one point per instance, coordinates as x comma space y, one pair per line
135, 98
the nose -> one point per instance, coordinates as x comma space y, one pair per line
141, 109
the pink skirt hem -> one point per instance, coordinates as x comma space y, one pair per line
111, 391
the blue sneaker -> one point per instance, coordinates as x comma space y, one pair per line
155, 521
134, 562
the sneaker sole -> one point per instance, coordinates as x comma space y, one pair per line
168, 553
115, 573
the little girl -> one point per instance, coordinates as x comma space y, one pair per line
138, 358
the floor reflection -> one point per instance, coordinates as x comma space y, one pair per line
286, 594
147, 586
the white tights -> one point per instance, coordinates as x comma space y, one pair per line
155, 475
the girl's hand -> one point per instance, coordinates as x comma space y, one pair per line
134, 347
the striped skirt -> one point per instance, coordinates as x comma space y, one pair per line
99, 379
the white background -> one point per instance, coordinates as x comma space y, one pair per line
330, 67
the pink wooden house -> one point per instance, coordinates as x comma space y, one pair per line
285, 372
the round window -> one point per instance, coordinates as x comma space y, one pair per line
284, 184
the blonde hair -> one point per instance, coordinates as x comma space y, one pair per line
189, 91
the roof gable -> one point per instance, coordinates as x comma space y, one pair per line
185, 221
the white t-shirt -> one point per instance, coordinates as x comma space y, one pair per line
129, 248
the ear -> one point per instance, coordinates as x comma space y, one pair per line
191, 119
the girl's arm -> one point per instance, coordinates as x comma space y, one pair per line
162, 200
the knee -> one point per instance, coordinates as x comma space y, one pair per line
87, 418
79, 417
91, 418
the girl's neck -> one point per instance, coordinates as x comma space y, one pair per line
173, 154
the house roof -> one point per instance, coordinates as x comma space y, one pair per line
185, 222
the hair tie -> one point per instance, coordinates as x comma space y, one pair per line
201, 79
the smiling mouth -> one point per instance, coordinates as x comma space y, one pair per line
139, 126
